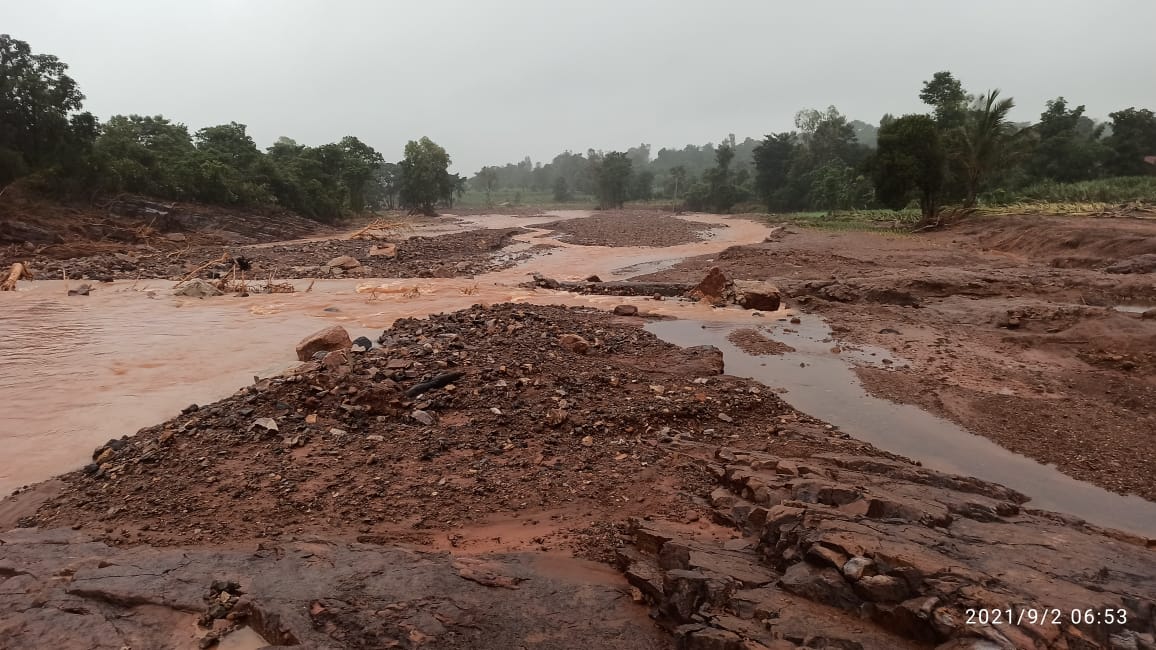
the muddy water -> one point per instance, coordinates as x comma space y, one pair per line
822, 383
76, 371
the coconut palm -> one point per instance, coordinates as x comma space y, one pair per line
985, 141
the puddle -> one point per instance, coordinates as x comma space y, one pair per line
827, 388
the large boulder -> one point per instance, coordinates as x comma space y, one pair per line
713, 287
330, 338
755, 294
196, 288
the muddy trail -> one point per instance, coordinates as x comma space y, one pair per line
483, 448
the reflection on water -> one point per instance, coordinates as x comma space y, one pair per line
826, 387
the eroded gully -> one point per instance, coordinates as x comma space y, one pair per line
77, 371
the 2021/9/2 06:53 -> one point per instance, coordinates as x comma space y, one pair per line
1046, 615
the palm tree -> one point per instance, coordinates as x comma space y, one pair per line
985, 140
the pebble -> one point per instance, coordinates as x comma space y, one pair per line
268, 424
423, 417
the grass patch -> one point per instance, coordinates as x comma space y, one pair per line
850, 221
1123, 189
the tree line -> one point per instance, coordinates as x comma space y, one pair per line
45, 135
963, 150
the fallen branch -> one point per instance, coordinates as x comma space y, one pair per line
221, 260
18, 272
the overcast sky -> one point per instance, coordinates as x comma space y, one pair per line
495, 80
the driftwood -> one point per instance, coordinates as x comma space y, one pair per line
18, 272
614, 288
221, 260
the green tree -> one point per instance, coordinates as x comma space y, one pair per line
148, 155
425, 177
910, 163
487, 180
37, 100
613, 176
835, 186
359, 165
642, 185
772, 169
1068, 146
1133, 138
722, 194
946, 95
562, 191
679, 178
986, 141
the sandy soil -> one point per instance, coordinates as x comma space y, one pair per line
1000, 332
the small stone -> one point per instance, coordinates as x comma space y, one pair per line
725, 418
593, 278
362, 344
574, 343
423, 417
269, 424
795, 320
658, 297
384, 250
344, 262
882, 588
588, 441
82, 290
858, 567
375, 438
626, 310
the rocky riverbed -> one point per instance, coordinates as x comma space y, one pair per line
521, 475
548, 430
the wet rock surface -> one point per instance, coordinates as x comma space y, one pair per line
61, 589
886, 554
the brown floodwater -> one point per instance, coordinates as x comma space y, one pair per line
76, 371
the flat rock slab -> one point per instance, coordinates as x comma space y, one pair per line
59, 589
